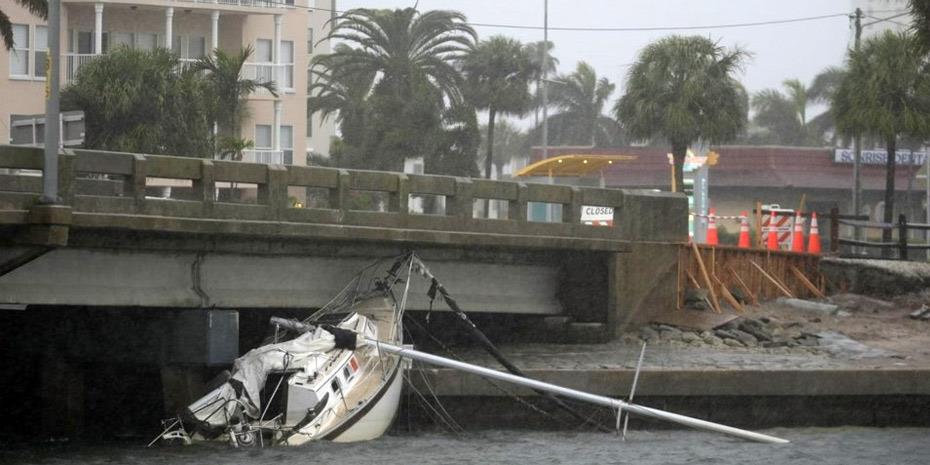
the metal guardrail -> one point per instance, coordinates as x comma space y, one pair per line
638, 215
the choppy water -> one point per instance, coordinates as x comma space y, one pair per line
820, 446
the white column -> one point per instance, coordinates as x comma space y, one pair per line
276, 50
98, 28
169, 27
214, 30
276, 127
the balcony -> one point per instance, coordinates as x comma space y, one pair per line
243, 5
73, 62
268, 157
282, 75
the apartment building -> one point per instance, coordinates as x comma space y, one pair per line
283, 33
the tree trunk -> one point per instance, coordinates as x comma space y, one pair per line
891, 148
492, 112
488, 161
679, 151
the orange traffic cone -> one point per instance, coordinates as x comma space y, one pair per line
813, 245
797, 241
712, 228
743, 231
772, 243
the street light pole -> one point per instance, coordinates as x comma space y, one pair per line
857, 147
545, 95
52, 113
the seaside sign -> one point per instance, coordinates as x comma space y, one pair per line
878, 157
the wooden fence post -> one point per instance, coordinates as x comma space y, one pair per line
902, 237
834, 229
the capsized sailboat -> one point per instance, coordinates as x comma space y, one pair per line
327, 383
337, 375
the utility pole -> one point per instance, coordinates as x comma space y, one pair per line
545, 86
52, 113
857, 145
545, 96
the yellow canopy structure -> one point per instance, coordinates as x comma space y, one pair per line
572, 165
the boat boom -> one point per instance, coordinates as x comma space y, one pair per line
576, 394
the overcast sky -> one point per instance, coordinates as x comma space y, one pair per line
780, 51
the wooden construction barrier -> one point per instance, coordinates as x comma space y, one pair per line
756, 275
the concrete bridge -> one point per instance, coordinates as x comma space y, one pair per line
132, 301
111, 244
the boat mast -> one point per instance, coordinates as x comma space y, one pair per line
575, 394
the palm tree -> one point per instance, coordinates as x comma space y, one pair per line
783, 116
821, 91
343, 97
509, 143
580, 98
779, 117
224, 73
886, 93
36, 7
231, 148
136, 101
401, 46
541, 52
920, 12
497, 74
411, 58
684, 89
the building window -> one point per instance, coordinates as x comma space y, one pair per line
196, 47
146, 40
122, 39
263, 51
287, 59
309, 40
287, 144
41, 61
82, 42
19, 54
263, 137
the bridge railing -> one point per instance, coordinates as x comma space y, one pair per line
96, 182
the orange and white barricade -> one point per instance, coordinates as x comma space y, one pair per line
777, 220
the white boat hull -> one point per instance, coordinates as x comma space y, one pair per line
374, 423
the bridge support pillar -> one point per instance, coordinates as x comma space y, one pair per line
61, 394
641, 284
48, 225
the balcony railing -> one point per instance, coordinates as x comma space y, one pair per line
246, 3
266, 157
282, 75
74, 61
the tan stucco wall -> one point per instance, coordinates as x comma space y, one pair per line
323, 131
20, 96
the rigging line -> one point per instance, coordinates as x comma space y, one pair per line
499, 387
426, 402
432, 392
486, 343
